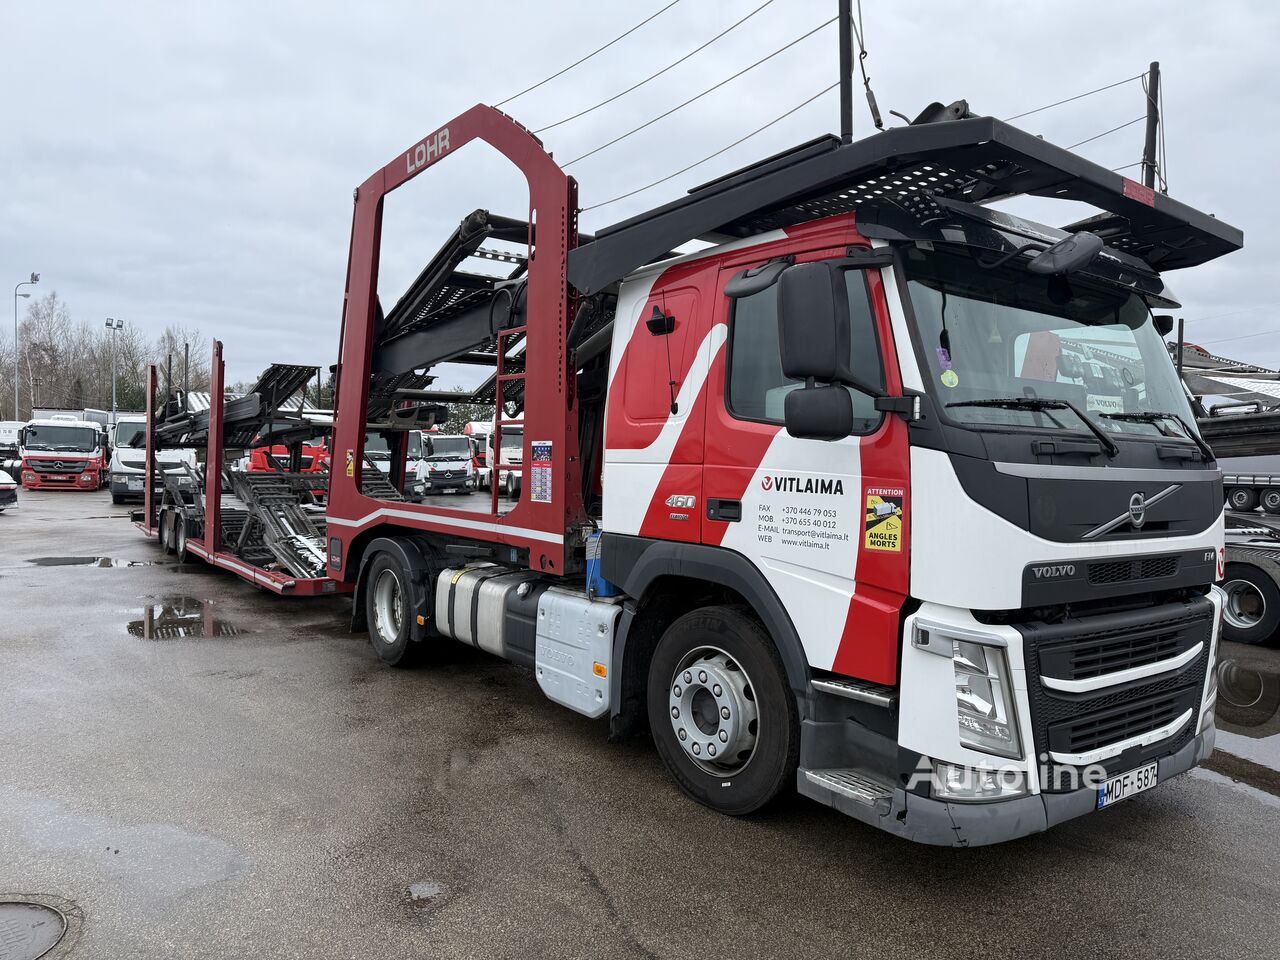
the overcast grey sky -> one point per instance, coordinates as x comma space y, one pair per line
188, 162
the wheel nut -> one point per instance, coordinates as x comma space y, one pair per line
697, 749
681, 734
702, 676
711, 749
675, 713
676, 691
688, 677
724, 737
724, 712
716, 690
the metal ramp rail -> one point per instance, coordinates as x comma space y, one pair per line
276, 523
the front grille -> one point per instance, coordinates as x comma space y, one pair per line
1103, 727
1122, 571
1089, 647
47, 466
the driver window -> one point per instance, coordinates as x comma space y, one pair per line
757, 389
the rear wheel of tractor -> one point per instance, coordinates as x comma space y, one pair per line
722, 715
1242, 498
388, 609
1271, 501
1251, 610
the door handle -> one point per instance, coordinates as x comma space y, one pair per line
728, 511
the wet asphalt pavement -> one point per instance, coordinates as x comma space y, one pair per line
194, 768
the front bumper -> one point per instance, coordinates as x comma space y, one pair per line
941, 823
437, 484
8, 498
120, 486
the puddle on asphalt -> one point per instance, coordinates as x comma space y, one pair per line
181, 618
87, 562
1248, 720
425, 892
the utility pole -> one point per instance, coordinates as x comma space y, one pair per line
113, 325
35, 278
845, 24
1153, 125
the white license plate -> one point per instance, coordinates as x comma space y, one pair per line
135, 483
1127, 784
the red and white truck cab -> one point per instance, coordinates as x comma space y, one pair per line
62, 453
885, 494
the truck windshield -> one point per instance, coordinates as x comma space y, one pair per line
127, 432
375, 446
513, 439
68, 439
450, 448
1009, 335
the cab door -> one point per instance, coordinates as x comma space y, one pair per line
826, 522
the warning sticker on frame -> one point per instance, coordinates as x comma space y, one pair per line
540, 471
883, 529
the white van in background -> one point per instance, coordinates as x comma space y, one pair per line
129, 462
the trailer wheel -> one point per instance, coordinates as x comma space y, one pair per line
166, 531
1242, 498
387, 610
723, 718
180, 538
1271, 501
1251, 612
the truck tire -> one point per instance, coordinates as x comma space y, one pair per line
166, 531
1271, 500
1242, 498
117, 499
723, 718
1251, 612
387, 610
180, 538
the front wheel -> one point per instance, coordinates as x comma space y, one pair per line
1251, 611
723, 718
387, 610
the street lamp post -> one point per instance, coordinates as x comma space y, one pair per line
113, 325
35, 278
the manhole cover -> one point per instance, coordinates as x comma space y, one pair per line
28, 930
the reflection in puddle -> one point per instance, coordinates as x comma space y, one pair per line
87, 562
1248, 700
180, 618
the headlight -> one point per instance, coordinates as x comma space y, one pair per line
984, 700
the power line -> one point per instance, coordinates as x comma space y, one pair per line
699, 96
1234, 313
654, 76
1127, 166
1099, 136
1246, 336
1078, 96
712, 156
588, 56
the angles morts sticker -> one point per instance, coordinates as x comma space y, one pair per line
883, 522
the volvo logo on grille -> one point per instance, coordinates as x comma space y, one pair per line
1138, 509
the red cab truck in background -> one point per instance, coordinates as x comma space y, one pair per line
62, 454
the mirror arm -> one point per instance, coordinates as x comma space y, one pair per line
908, 407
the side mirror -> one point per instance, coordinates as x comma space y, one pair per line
1164, 324
813, 324
819, 413
1067, 255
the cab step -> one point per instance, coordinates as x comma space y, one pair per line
863, 690
857, 785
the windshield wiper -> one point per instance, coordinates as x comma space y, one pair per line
1040, 403
1154, 416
